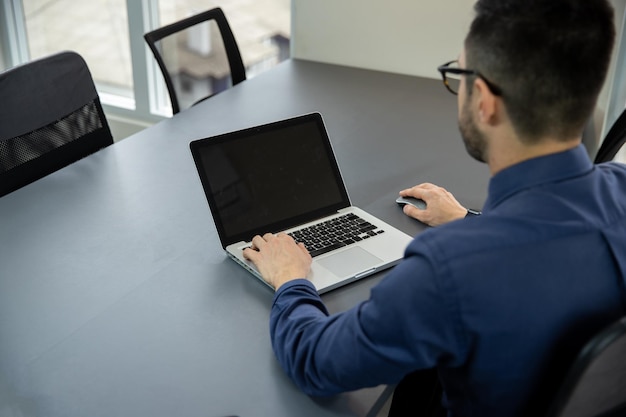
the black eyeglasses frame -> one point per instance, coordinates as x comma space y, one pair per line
445, 68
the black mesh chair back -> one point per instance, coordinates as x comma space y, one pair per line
613, 141
194, 62
50, 117
596, 383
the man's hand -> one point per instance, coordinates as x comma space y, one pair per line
441, 206
279, 258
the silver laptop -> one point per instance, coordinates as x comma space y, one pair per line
283, 177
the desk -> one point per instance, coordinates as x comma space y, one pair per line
115, 296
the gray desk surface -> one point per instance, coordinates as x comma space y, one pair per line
115, 296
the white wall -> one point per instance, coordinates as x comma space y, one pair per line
403, 36
123, 127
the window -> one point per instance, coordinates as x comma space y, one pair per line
617, 95
261, 29
2, 64
96, 29
109, 35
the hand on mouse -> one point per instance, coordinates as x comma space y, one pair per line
441, 206
279, 258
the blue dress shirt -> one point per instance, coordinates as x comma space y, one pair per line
500, 303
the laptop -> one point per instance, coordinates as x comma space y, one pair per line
283, 177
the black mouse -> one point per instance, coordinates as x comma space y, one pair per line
418, 203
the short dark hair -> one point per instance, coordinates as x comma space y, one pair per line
549, 57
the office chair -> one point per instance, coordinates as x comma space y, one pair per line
187, 55
596, 383
50, 117
613, 140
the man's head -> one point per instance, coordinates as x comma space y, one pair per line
549, 58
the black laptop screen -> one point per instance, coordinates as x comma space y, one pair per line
270, 177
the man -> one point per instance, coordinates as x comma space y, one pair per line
496, 305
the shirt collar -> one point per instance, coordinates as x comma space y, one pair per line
537, 171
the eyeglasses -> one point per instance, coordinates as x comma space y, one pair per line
451, 74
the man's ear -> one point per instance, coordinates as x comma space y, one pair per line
486, 102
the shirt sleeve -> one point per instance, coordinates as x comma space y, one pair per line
407, 324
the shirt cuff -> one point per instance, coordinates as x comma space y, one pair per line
294, 283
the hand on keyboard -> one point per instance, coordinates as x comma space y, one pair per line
278, 258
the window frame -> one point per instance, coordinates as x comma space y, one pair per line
142, 15
617, 91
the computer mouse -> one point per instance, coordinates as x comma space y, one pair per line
418, 203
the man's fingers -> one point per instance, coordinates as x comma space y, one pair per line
258, 242
251, 254
304, 249
418, 191
411, 211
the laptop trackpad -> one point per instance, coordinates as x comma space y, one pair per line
350, 262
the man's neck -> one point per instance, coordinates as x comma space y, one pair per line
504, 154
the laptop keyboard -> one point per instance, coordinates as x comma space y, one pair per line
335, 233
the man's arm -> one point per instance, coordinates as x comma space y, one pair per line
404, 326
